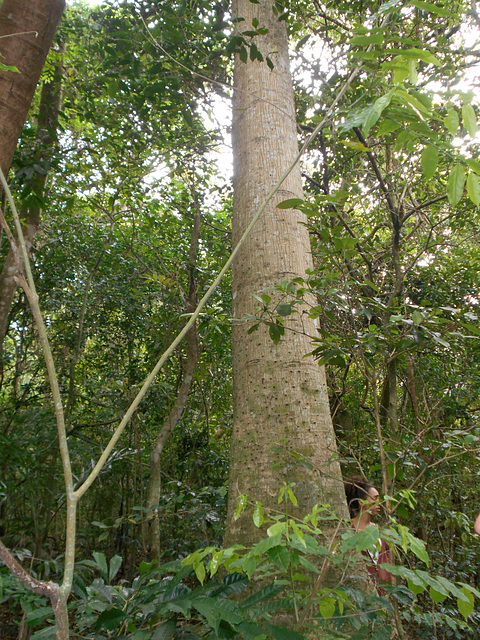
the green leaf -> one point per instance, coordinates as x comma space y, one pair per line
292, 497
409, 100
276, 529
327, 607
417, 317
402, 138
280, 557
281, 633
258, 518
291, 203
470, 119
7, 67
35, 616
375, 111
474, 165
429, 161
241, 505
419, 549
451, 120
466, 608
471, 327
373, 38
284, 309
417, 54
266, 544
199, 569
165, 631
473, 188
455, 184
437, 596
276, 331
360, 540
432, 8
101, 563
387, 126
115, 564
110, 619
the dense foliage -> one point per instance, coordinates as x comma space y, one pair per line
392, 198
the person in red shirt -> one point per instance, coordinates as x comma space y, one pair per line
363, 504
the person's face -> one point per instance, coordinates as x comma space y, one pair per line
373, 504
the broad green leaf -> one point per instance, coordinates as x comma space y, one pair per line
291, 203
455, 184
258, 518
275, 529
373, 38
267, 543
387, 126
327, 607
360, 540
429, 161
199, 569
215, 561
101, 563
473, 188
241, 505
470, 119
466, 608
451, 120
411, 101
402, 138
416, 587
110, 619
417, 54
292, 497
375, 111
8, 67
432, 8
471, 327
165, 631
474, 165
437, 596
280, 557
115, 564
417, 317
35, 616
284, 309
419, 549
282, 633
276, 331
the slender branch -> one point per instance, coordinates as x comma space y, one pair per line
166, 355
49, 589
381, 181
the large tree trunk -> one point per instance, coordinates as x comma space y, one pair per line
279, 395
26, 34
31, 26
50, 103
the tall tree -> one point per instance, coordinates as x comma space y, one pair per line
280, 396
26, 34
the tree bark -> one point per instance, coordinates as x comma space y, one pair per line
26, 34
280, 396
31, 27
